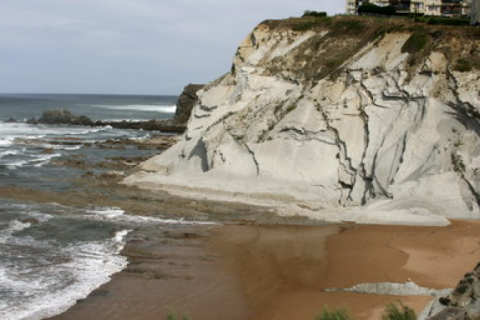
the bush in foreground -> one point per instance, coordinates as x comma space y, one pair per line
399, 311
172, 316
335, 314
393, 311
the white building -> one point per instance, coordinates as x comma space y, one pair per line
475, 12
432, 7
426, 7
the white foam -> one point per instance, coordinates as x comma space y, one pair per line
82, 132
16, 164
8, 153
6, 142
43, 159
90, 266
146, 136
108, 212
60, 147
13, 226
36, 161
118, 215
143, 107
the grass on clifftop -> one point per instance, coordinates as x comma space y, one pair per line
341, 37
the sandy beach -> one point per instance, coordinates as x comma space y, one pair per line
278, 272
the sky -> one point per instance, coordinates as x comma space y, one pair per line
128, 46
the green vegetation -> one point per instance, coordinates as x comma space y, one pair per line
457, 161
290, 108
415, 43
172, 316
393, 311
348, 25
463, 65
335, 314
443, 21
308, 23
339, 38
399, 311
371, 8
318, 14
462, 288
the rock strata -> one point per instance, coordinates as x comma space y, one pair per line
337, 119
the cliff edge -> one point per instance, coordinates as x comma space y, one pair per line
339, 119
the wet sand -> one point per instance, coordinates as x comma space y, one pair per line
278, 272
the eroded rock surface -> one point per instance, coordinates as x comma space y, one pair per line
344, 119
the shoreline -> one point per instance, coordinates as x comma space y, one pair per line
258, 265
278, 273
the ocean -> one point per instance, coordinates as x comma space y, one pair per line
52, 255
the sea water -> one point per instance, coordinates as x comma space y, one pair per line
52, 255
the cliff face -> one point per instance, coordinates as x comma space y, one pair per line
338, 119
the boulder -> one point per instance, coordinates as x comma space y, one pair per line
64, 117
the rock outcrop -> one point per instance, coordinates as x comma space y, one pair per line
461, 303
343, 119
187, 100
64, 116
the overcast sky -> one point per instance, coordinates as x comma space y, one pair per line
128, 46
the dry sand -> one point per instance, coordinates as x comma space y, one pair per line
278, 273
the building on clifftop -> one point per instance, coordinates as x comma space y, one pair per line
446, 8
475, 12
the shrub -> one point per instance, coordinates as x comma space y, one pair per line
448, 21
399, 312
415, 43
304, 26
347, 26
371, 8
318, 14
336, 314
457, 161
463, 65
172, 316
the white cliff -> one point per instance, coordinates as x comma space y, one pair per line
344, 121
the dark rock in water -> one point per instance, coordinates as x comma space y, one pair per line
11, 120
32, 121
186, 101
32, 221
64, 117
150, 125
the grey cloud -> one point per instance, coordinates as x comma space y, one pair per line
125, 46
